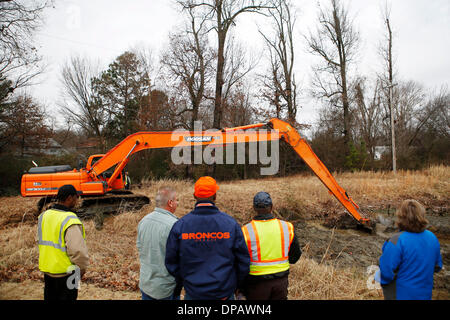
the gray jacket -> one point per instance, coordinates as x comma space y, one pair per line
153, 231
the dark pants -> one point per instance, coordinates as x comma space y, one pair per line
267, 289
389, 291
57, 289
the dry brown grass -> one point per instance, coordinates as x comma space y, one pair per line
34, 290
310, 280
113, 254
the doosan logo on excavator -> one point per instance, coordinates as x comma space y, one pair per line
199, 139
205, 236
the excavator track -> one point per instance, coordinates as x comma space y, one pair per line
111, 203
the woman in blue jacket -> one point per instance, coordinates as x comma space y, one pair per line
410, 257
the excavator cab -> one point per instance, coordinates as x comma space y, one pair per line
118, 183
92, 160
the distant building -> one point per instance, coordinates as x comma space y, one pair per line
48, 147
380, 151
89, 146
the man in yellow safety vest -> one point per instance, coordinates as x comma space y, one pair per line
273, 246
63, 255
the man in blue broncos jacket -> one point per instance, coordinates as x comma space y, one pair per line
206, 249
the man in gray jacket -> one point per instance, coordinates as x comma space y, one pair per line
154, 281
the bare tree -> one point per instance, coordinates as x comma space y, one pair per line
237, 67
434, 116
223, 15
189, 61
270, 91
79, 102
281, 80
409, 100
431, 138
19, 59
387, 79
336, 43
368, 112
239, 108
386, 49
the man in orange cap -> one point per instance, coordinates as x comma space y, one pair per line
205, 188
206, 249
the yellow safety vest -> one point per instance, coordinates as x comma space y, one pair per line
52, 226
268, 243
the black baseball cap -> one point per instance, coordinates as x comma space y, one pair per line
67, 190
262, 200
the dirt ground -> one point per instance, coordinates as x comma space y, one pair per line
327, 235
345, 247
34, 290
340, 245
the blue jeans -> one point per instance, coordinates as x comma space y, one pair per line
147, 297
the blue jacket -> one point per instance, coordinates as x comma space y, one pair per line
206, 250
407, 265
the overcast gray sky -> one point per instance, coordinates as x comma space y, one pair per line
103, 29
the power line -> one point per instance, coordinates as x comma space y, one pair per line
76, 42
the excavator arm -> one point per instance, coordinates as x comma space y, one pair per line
122, 152
302, 148
120, 155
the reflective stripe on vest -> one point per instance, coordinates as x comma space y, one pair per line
58, 245
277, 258
52, 225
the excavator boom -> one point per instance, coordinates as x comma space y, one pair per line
156, 140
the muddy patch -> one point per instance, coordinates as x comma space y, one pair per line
346, 248
338, 242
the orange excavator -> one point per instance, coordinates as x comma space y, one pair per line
101, 186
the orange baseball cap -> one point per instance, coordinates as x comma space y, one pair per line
205, 187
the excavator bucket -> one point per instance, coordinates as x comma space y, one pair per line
367, 225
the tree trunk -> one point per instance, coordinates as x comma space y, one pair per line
219, 81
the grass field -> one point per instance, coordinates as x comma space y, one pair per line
301, 199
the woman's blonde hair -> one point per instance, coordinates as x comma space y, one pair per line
411, 217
